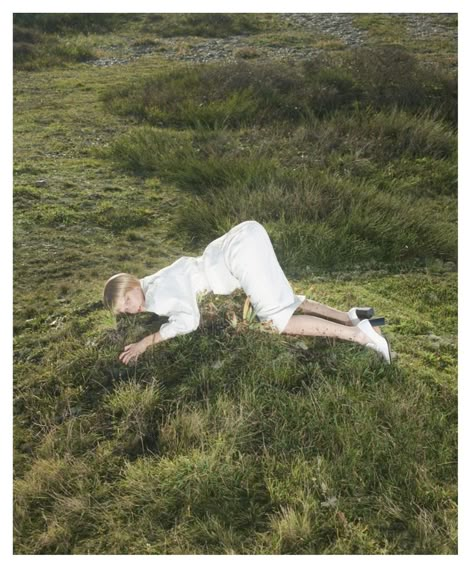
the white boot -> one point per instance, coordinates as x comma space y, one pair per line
377, 341
353, 316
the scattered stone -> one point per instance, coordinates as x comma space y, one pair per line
331, 502
338, 27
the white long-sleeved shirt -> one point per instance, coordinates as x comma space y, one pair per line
173, 290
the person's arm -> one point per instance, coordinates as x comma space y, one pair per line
180, 323
154, 338
177, 325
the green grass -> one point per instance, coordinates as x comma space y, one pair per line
392, 28
342, 205
263, 92
230, 440
206, 25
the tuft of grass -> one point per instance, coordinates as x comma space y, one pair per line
193, 165
320, 222
208, 25
133, 409
34, 51
71, 23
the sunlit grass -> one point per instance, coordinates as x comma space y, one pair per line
233, 440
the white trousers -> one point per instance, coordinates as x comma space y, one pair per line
249, 255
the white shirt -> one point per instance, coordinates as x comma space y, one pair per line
173, 290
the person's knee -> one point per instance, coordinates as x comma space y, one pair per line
256, 227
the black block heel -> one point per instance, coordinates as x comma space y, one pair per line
364, 312
380, 321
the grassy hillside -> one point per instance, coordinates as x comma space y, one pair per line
138, 140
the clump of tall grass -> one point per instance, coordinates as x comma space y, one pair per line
207, 25
380, 136
134, 410
324, 222
66, 23
185, 162
33, 50
246, 93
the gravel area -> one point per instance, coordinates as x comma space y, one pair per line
338, 27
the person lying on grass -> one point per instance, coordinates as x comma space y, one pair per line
241, 258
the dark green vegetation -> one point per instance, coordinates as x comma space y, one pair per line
232, 440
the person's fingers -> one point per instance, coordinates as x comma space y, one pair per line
128, 355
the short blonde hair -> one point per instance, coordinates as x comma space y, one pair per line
116, 288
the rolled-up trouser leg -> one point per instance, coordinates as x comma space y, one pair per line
249, 255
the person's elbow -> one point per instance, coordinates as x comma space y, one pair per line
190, 326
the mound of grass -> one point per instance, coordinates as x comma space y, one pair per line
323, 224
207, 25
248, 93
67, 23
345, 210
33, 50
366, 135
381, 136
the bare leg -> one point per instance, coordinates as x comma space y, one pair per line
308, 325
315, 308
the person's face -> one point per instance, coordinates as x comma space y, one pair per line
132, 302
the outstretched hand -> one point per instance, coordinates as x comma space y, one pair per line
133, 351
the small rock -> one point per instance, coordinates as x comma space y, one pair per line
41, 183
433, 338
331, 502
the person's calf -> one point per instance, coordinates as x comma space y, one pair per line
309, 325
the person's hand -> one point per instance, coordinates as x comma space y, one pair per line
133, 351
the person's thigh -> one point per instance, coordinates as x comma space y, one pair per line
252, 260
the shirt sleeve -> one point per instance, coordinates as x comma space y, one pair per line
179, 323
173, 297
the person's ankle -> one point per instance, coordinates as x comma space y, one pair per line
360, 336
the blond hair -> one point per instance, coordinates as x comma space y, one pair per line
116, 288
